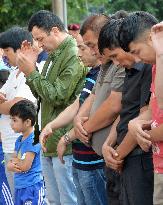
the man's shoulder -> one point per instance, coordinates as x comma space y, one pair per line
109, 71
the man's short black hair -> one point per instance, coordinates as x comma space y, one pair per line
25, 110
119, 14
108, 37
94, 23
134, 26
45, 20
14, 37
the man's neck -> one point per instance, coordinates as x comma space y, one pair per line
63, 36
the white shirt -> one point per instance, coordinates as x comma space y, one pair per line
15, 86
40, 68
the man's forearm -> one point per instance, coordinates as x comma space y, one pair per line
72, 135
102, 118
126, 146
146, 115
66, 117
159, 81
129, 142
156, 133
105, 114
84, 110
6, 106
112, 138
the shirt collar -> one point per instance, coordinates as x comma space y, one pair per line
138, 66
94, 70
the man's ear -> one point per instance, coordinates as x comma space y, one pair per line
55, 30
149, 39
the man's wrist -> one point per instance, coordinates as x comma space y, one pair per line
159, 54
67, 138
111, 143
28, 72
120, 157
53, 126
87, 128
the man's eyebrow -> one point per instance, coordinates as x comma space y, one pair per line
132, 51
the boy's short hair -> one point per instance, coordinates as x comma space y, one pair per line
135, 26
108, 37
14, 37
25, 110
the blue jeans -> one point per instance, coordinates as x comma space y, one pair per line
60, 189
91, 187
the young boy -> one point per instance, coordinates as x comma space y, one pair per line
29, 187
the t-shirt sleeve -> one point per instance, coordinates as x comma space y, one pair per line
25, 92
33, 148
17, 143
118, 80
93, 89
97, 81
146, 84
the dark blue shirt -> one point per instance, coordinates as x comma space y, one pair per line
85, 158
42, 57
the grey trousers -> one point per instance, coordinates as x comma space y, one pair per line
9, 175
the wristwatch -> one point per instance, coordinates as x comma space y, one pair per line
67, 138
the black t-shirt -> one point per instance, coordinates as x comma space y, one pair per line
135, 95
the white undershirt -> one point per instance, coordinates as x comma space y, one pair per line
15, 86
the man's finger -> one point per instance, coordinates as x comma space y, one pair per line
144, 143
43, 145
79, 134
82, 130
114, 152
61, 158
142, 134
113, 166
112, 161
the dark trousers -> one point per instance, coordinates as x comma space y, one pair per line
137, 180
113, 187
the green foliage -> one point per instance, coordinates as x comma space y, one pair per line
18, 12
152, 6
79, 9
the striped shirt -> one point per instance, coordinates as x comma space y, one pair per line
84, 157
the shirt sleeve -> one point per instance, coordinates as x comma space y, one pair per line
25, 92
60, 91
17, 142
145, 88
118, 80
33, 148
97, 80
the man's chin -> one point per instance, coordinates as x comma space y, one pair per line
148, 62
